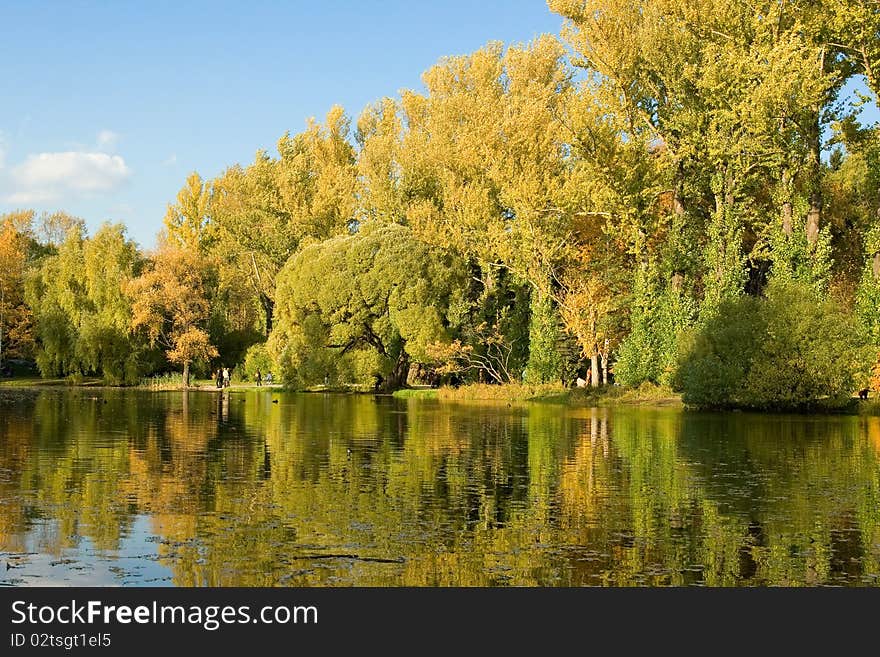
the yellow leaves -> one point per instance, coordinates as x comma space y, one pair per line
263, 213
191, 344
584, 303
379, 131
170, 303
15, 316
186, 221
478, 163
316, 176
12, 252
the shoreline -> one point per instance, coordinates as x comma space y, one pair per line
646, 395
549, 393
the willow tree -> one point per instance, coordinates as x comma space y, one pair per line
379, 297
106, 343
81, 312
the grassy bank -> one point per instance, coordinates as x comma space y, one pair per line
36, 381
870, 406
154, 383
646, 394
417, 393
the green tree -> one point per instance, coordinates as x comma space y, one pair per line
81, 312
379, 296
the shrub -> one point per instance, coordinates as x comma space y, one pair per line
257, 358
789, 351
718, 355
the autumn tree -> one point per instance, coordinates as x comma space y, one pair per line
187, 220
236, 315
483, 167
260, 214
16, 318
170, 305
728, 99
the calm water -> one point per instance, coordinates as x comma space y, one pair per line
265, 488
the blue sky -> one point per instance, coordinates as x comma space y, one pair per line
106, 107
128, 98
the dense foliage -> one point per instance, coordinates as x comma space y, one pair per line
364, 305
593, 206
785, 351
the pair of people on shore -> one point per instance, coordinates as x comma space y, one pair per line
222, 377
259, 378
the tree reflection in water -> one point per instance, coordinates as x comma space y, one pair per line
323, 490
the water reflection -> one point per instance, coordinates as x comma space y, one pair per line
268, 489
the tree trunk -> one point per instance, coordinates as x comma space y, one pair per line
397, 378
604, 370
594, 369
186, 374
677, 204
875, 265
814, 216
677, 198
676, 281
269, 310
787, 210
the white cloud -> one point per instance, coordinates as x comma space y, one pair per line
107, 140
170, 161
47, 176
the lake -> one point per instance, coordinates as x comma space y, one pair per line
102, 487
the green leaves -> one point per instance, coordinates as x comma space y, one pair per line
380, 291
788, 351
81, 311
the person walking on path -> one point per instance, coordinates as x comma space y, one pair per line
259, 378
219, 378
225, 377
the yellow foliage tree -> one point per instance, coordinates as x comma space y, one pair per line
170, 303
16, 319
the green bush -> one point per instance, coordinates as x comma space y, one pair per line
789, 351
718, 356
257, 358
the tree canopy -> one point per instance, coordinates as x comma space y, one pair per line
364, 305
577, 206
